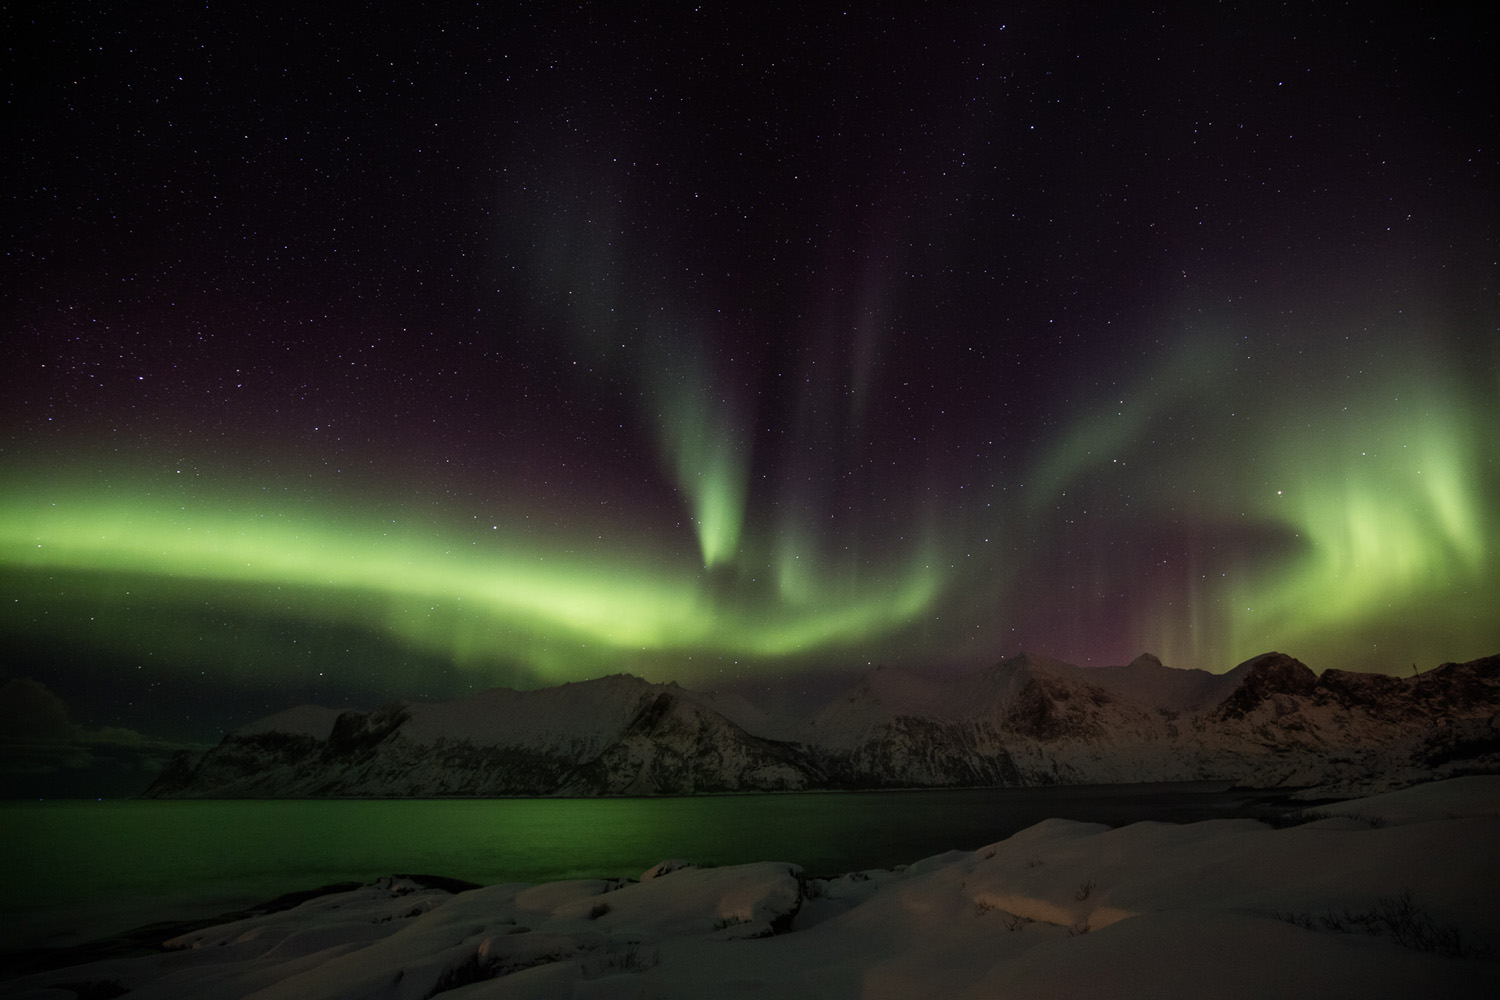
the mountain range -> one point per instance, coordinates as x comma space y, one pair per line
1271, 722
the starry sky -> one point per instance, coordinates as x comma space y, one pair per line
400, 353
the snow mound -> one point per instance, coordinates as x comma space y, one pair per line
1452, 799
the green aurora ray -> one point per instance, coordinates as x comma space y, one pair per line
1375, 506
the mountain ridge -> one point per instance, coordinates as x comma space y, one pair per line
1028, 720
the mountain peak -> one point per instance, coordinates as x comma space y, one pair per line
1262, 678
1272, 661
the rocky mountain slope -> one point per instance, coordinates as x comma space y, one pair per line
1270, 722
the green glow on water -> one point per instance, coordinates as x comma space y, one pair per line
96, 868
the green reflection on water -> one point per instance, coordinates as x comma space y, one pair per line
89, 868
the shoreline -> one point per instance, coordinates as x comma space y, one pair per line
1386, 895
1205, 785
1263, 805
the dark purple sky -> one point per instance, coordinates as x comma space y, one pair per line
391, 354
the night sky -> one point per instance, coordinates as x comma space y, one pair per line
408, 352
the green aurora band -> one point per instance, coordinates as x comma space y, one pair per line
477, 601
1353, 529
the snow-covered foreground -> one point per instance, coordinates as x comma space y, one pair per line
1390, 896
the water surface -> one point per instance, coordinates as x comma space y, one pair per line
81, 869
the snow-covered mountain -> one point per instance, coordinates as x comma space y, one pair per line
616, 735
1269, 722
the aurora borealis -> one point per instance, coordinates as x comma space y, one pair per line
358, 358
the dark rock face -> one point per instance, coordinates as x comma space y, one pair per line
1047, 709
1270, 675
175, 779
673, 747
355, 735
1453, 685
238, 759
1373, 692
1033, 712
913, 752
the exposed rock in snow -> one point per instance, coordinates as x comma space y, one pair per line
1389, 896
1269, 722
666, 868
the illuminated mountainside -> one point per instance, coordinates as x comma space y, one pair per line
1270, 722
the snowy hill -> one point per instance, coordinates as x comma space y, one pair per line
1269, 722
